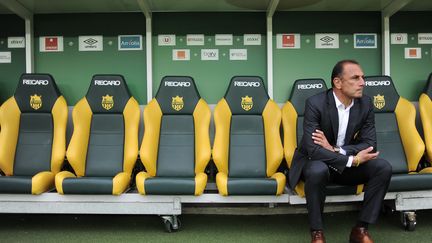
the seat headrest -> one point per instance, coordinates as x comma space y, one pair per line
177, 95
383, 93
36, 92
246, 95
108, 93
428, 88
303, 89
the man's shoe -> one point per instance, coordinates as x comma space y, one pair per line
317, 236
360, 235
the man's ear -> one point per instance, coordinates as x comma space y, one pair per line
337, 82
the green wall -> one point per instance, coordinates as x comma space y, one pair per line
410, 75
211, 77
309, 62
11, 25
73, 70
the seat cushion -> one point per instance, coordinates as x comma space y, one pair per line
252, 186
16, 184
410, 182
170, 186
88, 185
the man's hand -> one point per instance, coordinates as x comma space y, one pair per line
319, 138
365, 155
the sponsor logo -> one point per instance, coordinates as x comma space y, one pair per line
377, 83
210, 54
379, 101
36, 101
252, 39
223, 39
35, 82
51, 44
90, 43
413, 53
107, 102
195, 40
365, 41
5, 57
129, 42
238, 54
246, 103
177, 84
107, 82
399, 38
16, 42
166, 40
288, 41
424, 38
247, 84
177, 103
323, 41
181, 55
309, 86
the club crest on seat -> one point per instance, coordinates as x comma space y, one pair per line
247, 103
36, 101
177, 103
107, 102
379, 101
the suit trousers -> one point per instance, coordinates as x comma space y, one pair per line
375, 174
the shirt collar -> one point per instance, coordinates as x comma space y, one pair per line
340, 104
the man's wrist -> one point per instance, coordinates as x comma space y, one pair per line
336, 149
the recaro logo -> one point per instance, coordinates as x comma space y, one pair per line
35, 82
377, 83
247, 84
107, 82
177, 84
309, 86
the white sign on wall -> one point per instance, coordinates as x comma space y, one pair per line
288, 41
326, 41
181, 55
16, 42
413, 53
399, 38
252, 39
223, 39
5, 57
166, 40
424, 38
50, 43
209, 54
90, 43
238, 54
195, 40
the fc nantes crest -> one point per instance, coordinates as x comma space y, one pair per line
246, 103
379, 101
36, 101
107, 102
177, 103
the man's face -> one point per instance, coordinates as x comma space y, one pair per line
351, 82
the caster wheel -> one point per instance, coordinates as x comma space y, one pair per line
171, 223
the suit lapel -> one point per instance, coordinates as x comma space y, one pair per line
354, 116
333, 113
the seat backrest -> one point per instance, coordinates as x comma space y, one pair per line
397, 138
247, 139
105, 137
293, 112
176, 141
33, 121
425, 107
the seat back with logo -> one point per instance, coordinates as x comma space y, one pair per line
425, 106
33, 136
247, 148
104, 145
398, 140
292, 120
176, 144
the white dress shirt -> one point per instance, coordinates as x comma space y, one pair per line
343, 115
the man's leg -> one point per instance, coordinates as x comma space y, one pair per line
316, 176
376, 175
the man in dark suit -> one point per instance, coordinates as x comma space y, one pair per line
339, 145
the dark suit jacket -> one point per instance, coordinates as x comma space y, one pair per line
321, 113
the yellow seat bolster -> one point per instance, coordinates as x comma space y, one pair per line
140, 180
281, 182
273, 144
59, 178
77, 150
426, 170
42, 182
222, 183
200, 183
360, 188
131, 114
222, 119
150, 143
121, 183
413, 144
10, 122
289, 123
60, 116
299, 189
201, 117
425, 107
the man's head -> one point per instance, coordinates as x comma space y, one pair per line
348, 79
